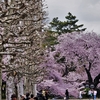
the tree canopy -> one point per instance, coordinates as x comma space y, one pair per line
21, 52
67, 26
76, 60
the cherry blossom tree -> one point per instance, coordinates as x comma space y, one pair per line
82, 51
74, 63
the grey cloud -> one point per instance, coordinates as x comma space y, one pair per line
87, 11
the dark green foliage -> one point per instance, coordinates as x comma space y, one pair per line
49, 40
58, 27
67, 26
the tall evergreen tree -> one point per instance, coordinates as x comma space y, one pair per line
67, 26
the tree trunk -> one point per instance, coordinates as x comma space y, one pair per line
90, 80
35, 89
10, 88
0, 82
20, 88
96, 80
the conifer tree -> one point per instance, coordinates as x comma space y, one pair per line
67, 26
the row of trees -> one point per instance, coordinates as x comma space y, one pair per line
21, 51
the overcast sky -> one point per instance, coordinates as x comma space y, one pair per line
86, 11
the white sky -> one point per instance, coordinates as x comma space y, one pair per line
86, 11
